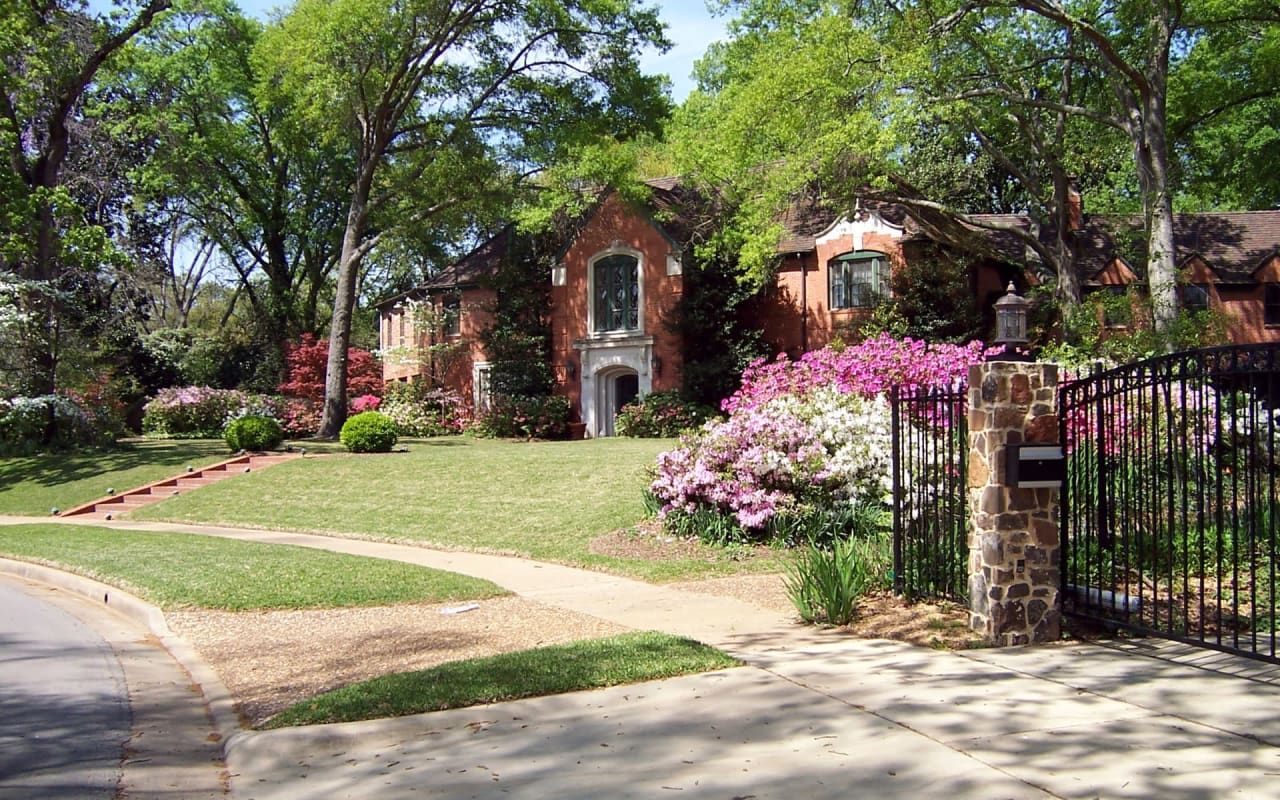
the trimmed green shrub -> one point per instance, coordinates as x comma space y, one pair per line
369, 432
661, 415
254, 433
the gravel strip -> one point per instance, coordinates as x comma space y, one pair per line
270, 660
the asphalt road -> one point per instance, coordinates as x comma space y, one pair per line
64, 707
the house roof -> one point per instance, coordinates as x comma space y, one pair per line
467, 271
1234, 244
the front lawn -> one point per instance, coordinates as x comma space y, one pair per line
175, 570
542, 500
33, 485
628, 658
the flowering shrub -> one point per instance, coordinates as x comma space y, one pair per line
438, 412
365, 402
804, 441
47, 422
528, 417
791, 455
256, 405
191, 412
872, 367
659, 415
300, 417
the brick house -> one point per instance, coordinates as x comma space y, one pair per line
620, 274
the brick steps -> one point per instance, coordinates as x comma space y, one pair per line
112, 506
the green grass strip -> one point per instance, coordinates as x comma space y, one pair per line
33, 485
174, 570
591, 664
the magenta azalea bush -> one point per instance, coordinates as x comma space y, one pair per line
870, 368
803, 439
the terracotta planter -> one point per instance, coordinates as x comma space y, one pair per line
577, 431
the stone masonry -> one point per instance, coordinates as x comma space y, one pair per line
1013, 533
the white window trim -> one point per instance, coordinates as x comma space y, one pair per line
615, 250
479, 368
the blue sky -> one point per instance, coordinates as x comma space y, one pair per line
690, 27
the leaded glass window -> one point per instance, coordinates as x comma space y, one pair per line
617, 294
857, 279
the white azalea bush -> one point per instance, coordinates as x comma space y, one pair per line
806, 452
792, 458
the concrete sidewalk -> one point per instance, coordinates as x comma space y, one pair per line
815, 714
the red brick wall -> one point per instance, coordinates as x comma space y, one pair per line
616, 227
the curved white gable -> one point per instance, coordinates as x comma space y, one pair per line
863, 222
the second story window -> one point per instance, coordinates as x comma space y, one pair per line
1195, 297
1271, 304
616, 294
452, 309
857, 280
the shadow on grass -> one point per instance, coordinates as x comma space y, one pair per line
56, 469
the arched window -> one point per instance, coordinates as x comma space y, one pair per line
857, 279
616, 289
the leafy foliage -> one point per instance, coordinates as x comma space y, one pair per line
544, 417
306, 362
369, 432
825, 581
47, 423
660, 415
518, 343
254, 433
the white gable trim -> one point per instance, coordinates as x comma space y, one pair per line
866, 222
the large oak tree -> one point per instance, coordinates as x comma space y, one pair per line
444, 103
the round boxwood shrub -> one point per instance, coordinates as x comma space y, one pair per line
369, 432
254, 433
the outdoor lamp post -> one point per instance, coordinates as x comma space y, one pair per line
1011, 321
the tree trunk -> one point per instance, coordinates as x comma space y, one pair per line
344, 302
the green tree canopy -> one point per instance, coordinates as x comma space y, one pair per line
445, 106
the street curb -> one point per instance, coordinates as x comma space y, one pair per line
216, 697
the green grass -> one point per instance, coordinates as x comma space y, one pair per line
183, 571
35, 484
543, 500
628, 658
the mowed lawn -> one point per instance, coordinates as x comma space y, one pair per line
177, 570
34, 485
542, 500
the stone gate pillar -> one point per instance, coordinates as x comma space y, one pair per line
1013, 533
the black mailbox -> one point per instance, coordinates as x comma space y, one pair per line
1034, 465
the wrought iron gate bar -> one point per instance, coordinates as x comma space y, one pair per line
930, 492
1171, 505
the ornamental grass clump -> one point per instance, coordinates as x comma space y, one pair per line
369, 432
825, 583
849, 556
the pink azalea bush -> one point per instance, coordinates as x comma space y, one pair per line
365, 402
802, 438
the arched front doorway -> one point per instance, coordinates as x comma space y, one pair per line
617, 388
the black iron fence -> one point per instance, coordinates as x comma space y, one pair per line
1169, 512
930, 480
